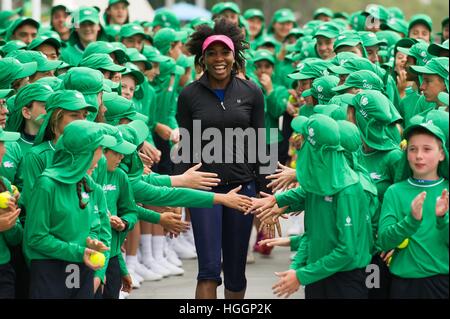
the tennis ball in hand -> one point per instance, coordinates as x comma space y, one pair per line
15, 190
97, 259
4, 199
403, 244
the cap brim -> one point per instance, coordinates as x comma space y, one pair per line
124, 148
300, 76
443, 97
108, 141
340, 88
28, 70
9, 136
114, 68
137, 75
347, 98
422, 69
436, 49
403, 50
329, 35
50, 65
337, 69
433, 129
350, 43
307, 93
141, 128
6, 93
285, 19
159, 58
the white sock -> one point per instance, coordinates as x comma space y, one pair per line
132, 260
158, 247
146, 246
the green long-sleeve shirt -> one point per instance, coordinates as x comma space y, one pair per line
56, 226
71, 54
275, 106
11, 236
11, 165
337, 234
427, 253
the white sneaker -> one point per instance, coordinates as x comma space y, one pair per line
156, 267
123, 294
250, 256
174, 270
146, 273
183, 249
189, 236
171, 255
132, 267
135, 284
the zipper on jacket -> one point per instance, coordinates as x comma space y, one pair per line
223, 106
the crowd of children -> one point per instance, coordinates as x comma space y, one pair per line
92, 108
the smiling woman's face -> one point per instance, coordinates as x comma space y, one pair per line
219, 60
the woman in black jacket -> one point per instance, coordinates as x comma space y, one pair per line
210, 108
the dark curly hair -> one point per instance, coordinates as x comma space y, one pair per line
222, 26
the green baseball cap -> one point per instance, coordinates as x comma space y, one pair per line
11, 69
341, 15
165, 36
130, 29
43, 39
85, 80
322, 130
153, 55
440, 118
370, 39
70, 100
335, 111
354, 64
31, 92
310, 70
18, 23
370, 104
428, 126
112, 30
135, 132
166, 18
108, 48
438, 66
101, 61
328, 30
266, 39
377, 11
83, 14
111, 2
201, 21
395, 12
43, 64
52, 81
391, 37
395, 24
133, 70
323, 11
421, 18
436, 49
322, 88
443, 97
283, 15
136, 56
363, 79
419, 51
222, 6
254, 13
12, 45
358, 21
262, 54
350, 38
8, 136
123, 146
298, 124
350, 136
6, 15
296, 32
170, 67
119, 107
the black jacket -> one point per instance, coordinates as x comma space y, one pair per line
243, 107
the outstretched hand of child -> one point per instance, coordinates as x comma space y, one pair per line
287, 284
417, 206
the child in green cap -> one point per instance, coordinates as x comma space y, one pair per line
420, 27
63, 222
59, 16
117, 12
414, 218
10, 227
335, 248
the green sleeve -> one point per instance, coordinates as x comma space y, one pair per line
302, 253
393, 228
342, 255
294, 199
37, 230
158, 180
148, 215
126, 205
32, 169
105, 235
172, 120
122, 265
14, 235
148, 194
294, 242
276, 102
442, 223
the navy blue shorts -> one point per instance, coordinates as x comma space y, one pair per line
222, 231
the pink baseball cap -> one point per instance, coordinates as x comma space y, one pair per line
218, 38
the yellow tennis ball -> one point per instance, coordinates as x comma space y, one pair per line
403, 244
15, 190
4, 199
97, 259
403, 144
294, 164
389, 261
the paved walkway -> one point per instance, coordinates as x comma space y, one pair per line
260, 278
